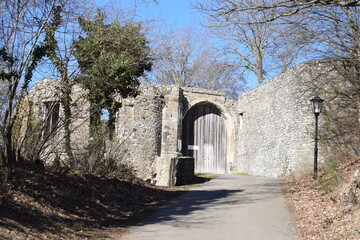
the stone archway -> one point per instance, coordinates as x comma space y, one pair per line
205, 138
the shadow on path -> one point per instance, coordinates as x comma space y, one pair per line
212, 196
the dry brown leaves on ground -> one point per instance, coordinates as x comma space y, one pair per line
317, 214
42, 205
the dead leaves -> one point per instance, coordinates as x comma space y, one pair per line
318, 215
40, 205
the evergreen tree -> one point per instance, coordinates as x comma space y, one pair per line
111, 57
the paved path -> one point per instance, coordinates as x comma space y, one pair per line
229, 207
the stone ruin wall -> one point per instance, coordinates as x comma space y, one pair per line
156, 115
47, 90
276, 131
269, 129
275, 123
138, 131
137, 138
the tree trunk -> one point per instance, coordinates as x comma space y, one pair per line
259, 67
10, 156
95, 116
111, 123
66, 104
10, 153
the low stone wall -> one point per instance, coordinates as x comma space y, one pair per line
182, 171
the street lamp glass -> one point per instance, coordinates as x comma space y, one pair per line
317, 104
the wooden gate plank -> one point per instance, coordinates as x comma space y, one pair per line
204, 131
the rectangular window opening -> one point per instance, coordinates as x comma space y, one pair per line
51, 111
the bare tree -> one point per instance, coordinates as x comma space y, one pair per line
22, 27
60, 34
32, 33
332, 23
248, 40
329, 29
273, 9
185, 59
335, 31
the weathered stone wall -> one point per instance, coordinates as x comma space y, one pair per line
158, 114
138, 131
182, 169
275, 134
273, 137
48, 90
269, 130
171, 130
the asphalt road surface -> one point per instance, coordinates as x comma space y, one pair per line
229, 207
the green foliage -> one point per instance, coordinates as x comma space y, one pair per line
6, 58
38, 53
111, 58
51, 43
206, 175
244, 174
47, 48
332, 176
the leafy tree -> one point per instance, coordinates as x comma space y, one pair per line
111, 58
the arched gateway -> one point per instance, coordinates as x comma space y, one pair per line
204, 138
223, 135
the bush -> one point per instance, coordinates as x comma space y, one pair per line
105, 158
332, 176
3, 179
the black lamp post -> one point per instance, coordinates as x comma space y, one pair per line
317, 105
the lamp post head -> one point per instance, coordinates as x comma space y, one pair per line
317, 104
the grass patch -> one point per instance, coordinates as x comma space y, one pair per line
332, 176
244, 174
206, 175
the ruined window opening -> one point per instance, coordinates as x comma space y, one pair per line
108, 120
51, 116
104, 114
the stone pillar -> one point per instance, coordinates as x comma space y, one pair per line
171, 123
184, 171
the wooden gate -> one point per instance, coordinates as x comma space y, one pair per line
204, 138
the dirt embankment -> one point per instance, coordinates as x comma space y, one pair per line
318, 207
41, 205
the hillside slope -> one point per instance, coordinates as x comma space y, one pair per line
41, 205
321, 209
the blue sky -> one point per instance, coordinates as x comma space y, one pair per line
172, 14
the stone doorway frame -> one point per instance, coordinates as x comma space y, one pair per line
229, 125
